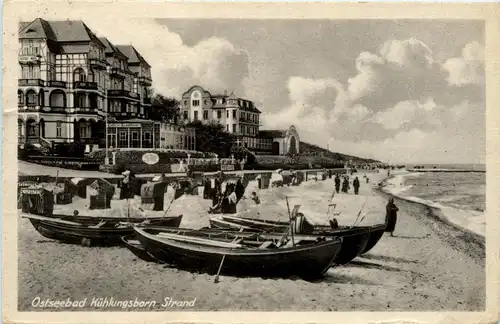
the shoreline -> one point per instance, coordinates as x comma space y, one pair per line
434, 213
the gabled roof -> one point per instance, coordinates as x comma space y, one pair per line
134, 57
110, 48
73, 31
38, 28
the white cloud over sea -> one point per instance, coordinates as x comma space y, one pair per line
402, 99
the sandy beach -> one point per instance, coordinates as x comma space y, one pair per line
428, 266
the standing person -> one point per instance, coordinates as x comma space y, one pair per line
391, 216
345, 185
337, 183
355, 184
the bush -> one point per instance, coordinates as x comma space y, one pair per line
75, 149
134, 156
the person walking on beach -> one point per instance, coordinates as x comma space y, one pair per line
337, 183
345, 185
355, 184
391, 216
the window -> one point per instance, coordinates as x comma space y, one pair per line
185, 115
227, 127
123, 139
31, 128
80, 101
58, 129
84, 129
91, 76
31, 98
234, 113
195, 115
205, 114
219, 114
146, 139
227, 113
234, 128
79, 75
30, 72
135, 139
196, 103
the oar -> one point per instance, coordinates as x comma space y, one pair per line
359, 213
216, 280
290, 218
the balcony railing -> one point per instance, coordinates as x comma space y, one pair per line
248, 121
56, 84
58, 109
28, 108
85, 85
144, 79
86, 110
118, 72
29, 59
30, 82
123, 93
98, 63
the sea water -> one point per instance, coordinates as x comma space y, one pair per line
459, 196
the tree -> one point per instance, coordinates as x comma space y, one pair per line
212, 137
164, 109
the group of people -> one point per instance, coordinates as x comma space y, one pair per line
346, 184
224, 194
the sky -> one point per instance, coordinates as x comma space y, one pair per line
399, 91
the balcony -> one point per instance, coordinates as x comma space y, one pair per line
85, 110
58, 109
29, 59
123, 93
144, 80
30, 82
56, 84
28, 108
98, 63
85, 85
117, 72
248, 121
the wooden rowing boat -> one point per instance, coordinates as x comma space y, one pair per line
93, 230
133, 245
355, 239
247, 254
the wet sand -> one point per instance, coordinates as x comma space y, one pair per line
428, 266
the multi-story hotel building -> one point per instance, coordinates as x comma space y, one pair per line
240, 118
69, 78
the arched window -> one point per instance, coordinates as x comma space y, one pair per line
57, 99
31, 128
79, 75
20, 98
31, 98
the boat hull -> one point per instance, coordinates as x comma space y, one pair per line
307, 261
108, 235
355, 239
376, 233
137, 249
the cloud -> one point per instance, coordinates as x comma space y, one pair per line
469, 68
214, 63
399, 106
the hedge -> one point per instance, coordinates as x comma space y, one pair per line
134, 156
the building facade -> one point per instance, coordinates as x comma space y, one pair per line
177, 137
239, 116
69, 78
279, 142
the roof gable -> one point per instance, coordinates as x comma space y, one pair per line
36, 29
134, 57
